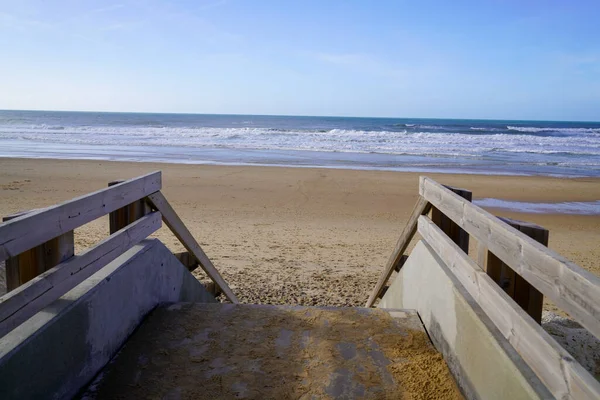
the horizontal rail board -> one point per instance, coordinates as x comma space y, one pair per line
569, 286
556, 368
421, 207
37, 227
170, 217
22, 303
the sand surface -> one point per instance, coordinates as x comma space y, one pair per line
294, 235
276, 352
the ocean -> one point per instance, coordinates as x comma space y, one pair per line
566, 149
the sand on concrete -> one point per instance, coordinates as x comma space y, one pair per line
303, 236
224, 351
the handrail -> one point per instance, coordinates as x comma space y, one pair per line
39, 226
170, 217
421, 207
32, 229
20, 304
562, 375
569, 286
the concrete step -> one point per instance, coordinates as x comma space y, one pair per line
187, 350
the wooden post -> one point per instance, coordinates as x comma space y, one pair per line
213, 289
524, 294
191, 264
187, 260
124, 216
27, 265
454, 232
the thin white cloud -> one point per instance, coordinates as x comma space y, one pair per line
363, 62
106, 8
13, 21
122, 26
343, 59
581, 63
214, 4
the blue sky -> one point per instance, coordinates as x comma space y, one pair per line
448, 59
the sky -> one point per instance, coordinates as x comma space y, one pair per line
430, 59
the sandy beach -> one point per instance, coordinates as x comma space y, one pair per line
297, 235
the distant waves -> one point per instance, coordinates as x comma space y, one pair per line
554, 148
422, 143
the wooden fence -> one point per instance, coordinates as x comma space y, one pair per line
570, 287
39, 227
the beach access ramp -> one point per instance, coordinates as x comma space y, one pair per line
127, 319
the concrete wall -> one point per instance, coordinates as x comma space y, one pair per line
483, 363
61, 348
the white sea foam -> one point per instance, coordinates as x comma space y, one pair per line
360, 141
582, 207
433, 144
533, 129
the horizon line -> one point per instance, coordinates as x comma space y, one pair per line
290, 115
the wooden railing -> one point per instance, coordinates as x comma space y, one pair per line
395, 260
38, 227
567, 285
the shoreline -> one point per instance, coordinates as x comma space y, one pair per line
402, 170
306, 236
292, 158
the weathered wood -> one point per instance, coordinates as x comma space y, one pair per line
528, 297
482, 253
401, 263
13, 275
37, 227
124, 216
22, 303
24, 267
566, 284
213, 289
563, 376
422, 207
454, 232
187, 260
170, 217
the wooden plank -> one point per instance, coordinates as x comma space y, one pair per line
454, 232
24, 232
562, 375
24, 267
22, 303
124, 216
213, 289
566, 284
482, 253
12, 269
401, 263
187, 260
422, 207
528, 297
170, 217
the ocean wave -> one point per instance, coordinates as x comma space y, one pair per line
533, 129
579, 207
48, 127
433, 127
415, 142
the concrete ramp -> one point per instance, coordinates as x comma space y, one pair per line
275, 352
61, 348
482, 361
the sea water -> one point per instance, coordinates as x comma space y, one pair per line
401, 144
